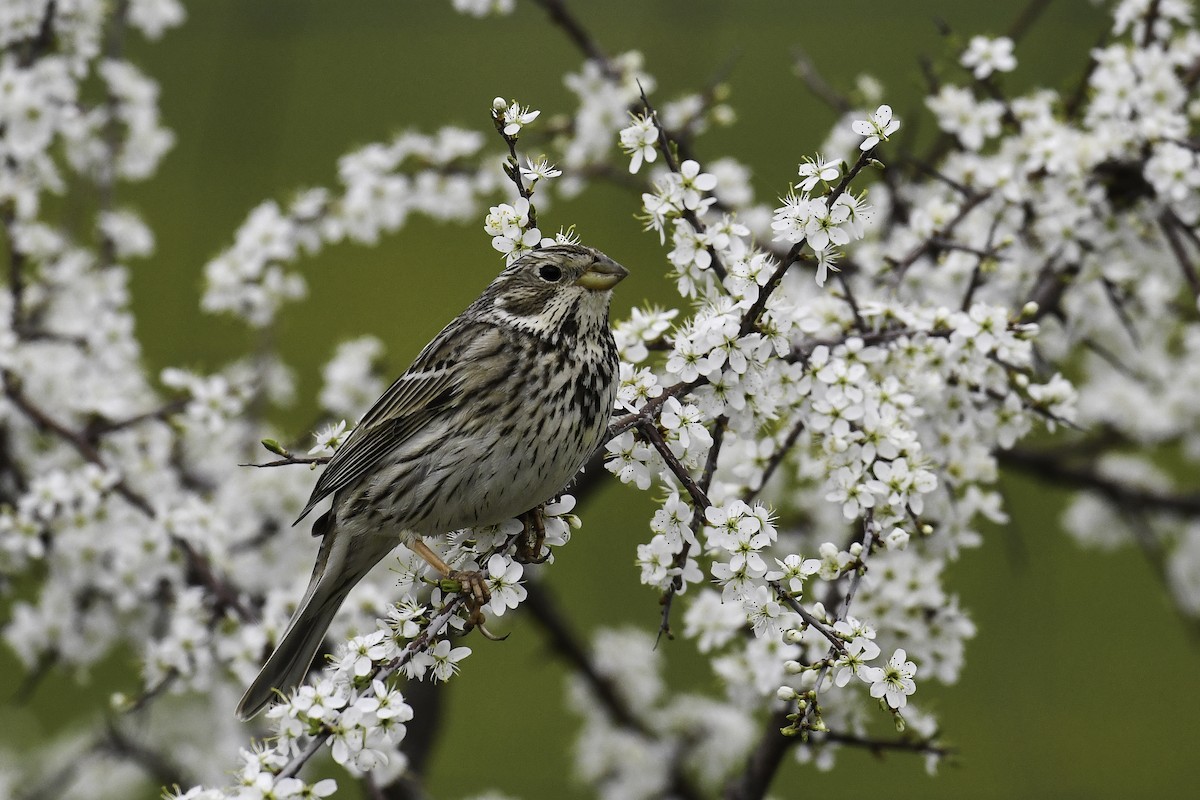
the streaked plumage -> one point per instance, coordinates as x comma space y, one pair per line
494, 417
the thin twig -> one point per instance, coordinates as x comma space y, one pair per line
880, 746
750, 318
776, 459
665, 147
899, 267
652, 435
432, 629
809, 620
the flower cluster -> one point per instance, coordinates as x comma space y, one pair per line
820, 452
382, 185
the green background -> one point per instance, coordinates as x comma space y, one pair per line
1081, 681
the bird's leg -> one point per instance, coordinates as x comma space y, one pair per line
533, 538
472, 583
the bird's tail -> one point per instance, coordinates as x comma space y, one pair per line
331, 581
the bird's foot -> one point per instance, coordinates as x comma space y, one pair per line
532, 538
473, 585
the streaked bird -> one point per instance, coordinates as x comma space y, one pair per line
492, 419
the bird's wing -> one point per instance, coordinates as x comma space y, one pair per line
435, 382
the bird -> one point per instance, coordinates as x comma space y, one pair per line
493, 418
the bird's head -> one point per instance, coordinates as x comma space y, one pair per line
554, 290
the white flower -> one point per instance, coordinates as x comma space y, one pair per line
329, 439
628, 460
536, 170
984, 56
824, 225
826, 260
128, 233
973, 122
893, 682
320, 702
791, 219
695, 185
793, 571
855, 660
638, 141
483, 8
509, 228
817, 170
897, 539
442, 659
402, 619
673, 522
504, 581
514, 116
877, 128
657, 562
363, 652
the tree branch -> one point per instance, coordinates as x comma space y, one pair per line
1058, 471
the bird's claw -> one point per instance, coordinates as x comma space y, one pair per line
473, 585
532, 538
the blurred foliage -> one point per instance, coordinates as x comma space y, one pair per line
1078, 682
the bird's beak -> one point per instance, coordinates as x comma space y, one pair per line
601, 275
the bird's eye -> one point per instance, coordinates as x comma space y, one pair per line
549, 272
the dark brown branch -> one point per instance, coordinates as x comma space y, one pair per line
562, 17
1026, 19
710, 461
564, 643
879, 747
808, 618
1151, 547
290, 459
44, 41
102, 427
901, 266
777, 459
1080, 93
750, 319
16, 272
680, 562
806, 70
1048, 289
764, 761
156, 765
1053, 468
1150, 19
432, 628
201, 572
652, 435
981, 257
1170, 225
782, 726
651, 407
